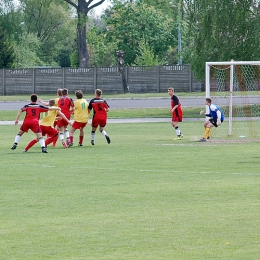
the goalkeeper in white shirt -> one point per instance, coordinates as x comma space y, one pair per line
216, 117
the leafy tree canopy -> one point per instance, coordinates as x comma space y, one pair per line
221, 31
7, 56
128, 23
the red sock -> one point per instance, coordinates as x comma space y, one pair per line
71, 138
81, 139
54, 142
31, 143
51, 139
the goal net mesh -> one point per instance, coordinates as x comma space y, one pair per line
236, 90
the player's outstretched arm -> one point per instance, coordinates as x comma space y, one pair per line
17, 117
64, 117
54, 108
43, 103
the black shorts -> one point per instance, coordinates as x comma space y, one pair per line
213, 121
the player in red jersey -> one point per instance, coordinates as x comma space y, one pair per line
47, 126
66, 105
176, 111
100, 109
31, 121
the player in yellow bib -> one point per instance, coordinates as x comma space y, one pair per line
81, 116
59, 94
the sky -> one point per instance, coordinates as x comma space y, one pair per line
99, 9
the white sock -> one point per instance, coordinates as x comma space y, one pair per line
104, 132
42, 142
92, 136
61, 136
17, 139
177, 130
67, 134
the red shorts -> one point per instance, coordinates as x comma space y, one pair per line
34, 126
62, 123
50, 131
78, 125
99, 122
176, 118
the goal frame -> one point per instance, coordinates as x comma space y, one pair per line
207, 83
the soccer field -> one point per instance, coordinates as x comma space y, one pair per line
144, 196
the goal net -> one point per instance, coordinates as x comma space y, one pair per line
235, 87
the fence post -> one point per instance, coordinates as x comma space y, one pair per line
126, 75
157, 68
190, 79
33, 87
4, 92
95, 78
63, 78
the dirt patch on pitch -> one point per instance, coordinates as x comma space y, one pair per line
231, 141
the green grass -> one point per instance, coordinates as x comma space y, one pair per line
192, 112
189, 112
132, 95
144, 196
106, 96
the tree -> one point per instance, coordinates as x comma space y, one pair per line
52, 23
63, 58
168, 7
27, 50
131, 22
83, 7
221, 31
7, 56
11, 19
102, 52
146, 56
10, 30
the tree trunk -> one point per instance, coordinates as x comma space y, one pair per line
83, 54
82, 11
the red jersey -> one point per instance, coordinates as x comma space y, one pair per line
178, 111
33, 112
65, 103
100, 107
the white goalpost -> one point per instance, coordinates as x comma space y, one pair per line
235, 87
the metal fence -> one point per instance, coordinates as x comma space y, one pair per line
141, 79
